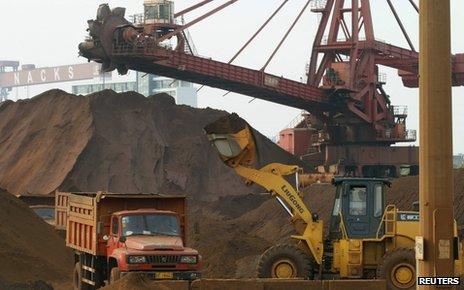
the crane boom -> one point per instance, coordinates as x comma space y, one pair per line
246, 81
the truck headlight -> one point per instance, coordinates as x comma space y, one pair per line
137, 260
188, 259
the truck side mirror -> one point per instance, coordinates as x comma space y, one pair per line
100, 228
122, 239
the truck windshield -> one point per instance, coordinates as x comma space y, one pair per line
150, 225
45, 213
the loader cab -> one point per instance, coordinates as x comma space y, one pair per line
358, 207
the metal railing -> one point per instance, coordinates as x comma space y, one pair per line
190, 47
400, 110
394, 135
411, 135
325, 39
388, 224
297, 120
137, 19
318, 4
382, 78
319, 138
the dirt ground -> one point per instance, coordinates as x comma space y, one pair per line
121, 143
30, 250
135, 282
128, 143
116, 142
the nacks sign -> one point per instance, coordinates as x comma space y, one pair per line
50, 75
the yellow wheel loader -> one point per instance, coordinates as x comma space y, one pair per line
366, 238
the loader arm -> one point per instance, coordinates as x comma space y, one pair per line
238, 150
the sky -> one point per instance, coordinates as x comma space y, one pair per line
47, 32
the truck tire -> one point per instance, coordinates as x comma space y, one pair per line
77, 278
285, 262
398, 268
115, 275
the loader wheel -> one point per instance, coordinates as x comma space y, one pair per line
398, 268
115, 275
285, 262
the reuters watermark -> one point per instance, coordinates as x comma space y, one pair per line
438, 281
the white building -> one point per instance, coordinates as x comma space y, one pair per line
183, 92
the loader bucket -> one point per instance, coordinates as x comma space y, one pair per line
233, 139
239, 144
226, 145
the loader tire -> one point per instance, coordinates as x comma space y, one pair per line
398, 268
115, 275
285, 262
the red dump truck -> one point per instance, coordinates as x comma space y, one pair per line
114, 234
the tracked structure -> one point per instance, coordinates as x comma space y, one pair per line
352, 121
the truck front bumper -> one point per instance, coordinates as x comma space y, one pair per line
177, 275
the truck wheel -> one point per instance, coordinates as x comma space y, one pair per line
77, 278
285, 262
115, 275
398, 268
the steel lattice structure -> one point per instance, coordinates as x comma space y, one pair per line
350, 112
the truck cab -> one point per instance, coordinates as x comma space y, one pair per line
150, 241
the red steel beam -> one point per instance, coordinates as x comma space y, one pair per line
286, 35
177, 31
411, 80
414, 5
403, 59
258, 31
225, 76
253, 37
386, 50
191, 8
398, 20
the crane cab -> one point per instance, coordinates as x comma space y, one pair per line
159, 11
358, 208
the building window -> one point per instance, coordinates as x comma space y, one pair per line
119, 87
185, 84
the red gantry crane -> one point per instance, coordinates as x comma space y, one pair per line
350, 114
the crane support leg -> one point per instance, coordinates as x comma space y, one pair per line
436, 175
